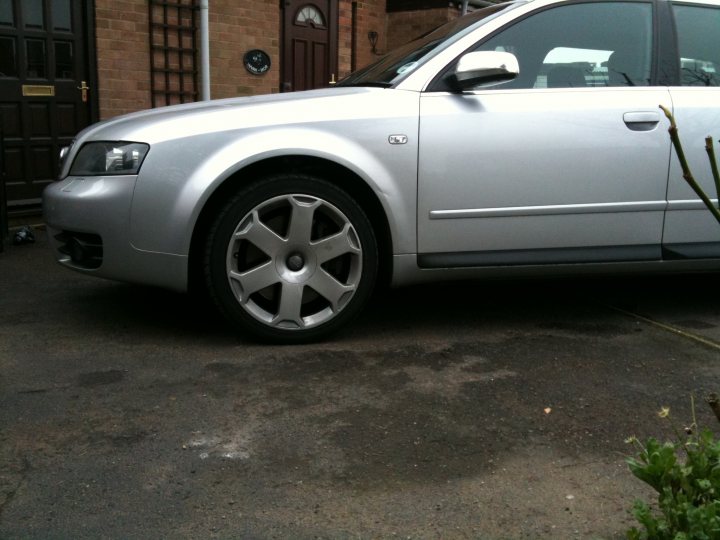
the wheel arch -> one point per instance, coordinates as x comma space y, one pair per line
336, 173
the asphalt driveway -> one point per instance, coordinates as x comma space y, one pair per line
465, 410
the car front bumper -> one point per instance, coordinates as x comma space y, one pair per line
88, 220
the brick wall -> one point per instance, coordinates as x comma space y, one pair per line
404, 26
123, 56
123, 51
370, 16
237, 26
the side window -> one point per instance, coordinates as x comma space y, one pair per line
580, 45
698, 31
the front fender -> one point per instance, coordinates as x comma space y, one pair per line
179, 176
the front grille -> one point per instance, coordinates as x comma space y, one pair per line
84, 249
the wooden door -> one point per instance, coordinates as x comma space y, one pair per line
310, 44
43, 70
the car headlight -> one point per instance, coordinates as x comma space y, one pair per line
109, 158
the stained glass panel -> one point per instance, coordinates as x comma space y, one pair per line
310, 15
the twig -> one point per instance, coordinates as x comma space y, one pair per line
687, 174
714, 401
713, 163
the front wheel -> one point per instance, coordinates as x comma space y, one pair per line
291, 259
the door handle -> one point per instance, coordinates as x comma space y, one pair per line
84, 91
641, 121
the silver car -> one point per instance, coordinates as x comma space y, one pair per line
524, 138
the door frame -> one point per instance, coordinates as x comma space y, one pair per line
91, 60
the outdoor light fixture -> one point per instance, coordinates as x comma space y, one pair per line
373, 38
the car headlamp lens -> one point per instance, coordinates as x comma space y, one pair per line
109, 158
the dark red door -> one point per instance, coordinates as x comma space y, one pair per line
43, 70
310, 44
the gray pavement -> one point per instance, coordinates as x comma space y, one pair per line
465, 410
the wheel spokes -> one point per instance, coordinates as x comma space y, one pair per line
329, 288
255, 280
283, 276
256, 232
336, 245
290, 305
301, 219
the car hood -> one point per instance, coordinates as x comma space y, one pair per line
178, 121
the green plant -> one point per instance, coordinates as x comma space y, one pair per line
686, 475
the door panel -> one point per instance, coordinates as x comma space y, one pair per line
541, 169
42, 64
566, 163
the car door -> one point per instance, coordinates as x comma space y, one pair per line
690, 229
567, 163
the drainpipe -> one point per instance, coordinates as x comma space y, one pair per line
464, 7
204, 51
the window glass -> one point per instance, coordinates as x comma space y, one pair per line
7, 17
405, 59
35, 50
8, 64
64, 60
699, 41
32, 12
581, 45
61, 15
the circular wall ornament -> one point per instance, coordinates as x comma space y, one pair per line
257, 62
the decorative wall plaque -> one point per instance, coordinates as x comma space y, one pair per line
257, 62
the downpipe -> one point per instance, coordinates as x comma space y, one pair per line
204, 50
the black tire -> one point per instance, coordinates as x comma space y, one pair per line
291, 259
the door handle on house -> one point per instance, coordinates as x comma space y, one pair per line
84, 91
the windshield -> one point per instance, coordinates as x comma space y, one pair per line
405, 59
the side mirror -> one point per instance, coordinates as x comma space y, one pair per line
484, 68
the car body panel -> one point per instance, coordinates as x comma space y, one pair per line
101, 205
350, 129
541, 168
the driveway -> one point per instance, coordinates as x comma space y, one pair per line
464, 410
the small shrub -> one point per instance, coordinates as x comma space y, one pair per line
686, 475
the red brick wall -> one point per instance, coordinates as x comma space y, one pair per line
123, 51
237, 26
404, 26
371, 16
123, 56
344, 38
